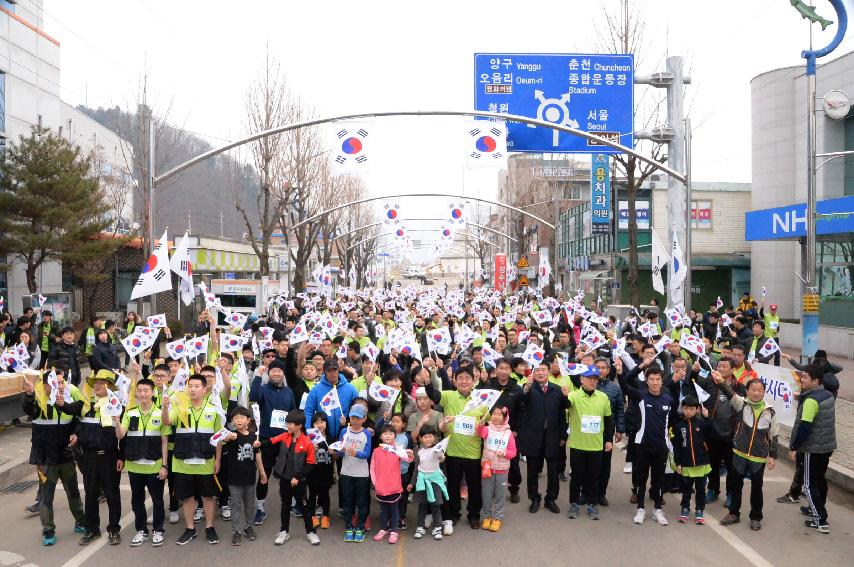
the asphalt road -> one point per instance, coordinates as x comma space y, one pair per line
543, 539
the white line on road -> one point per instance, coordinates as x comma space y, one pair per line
738, 544
93, 548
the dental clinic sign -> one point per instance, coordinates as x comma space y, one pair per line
790, 222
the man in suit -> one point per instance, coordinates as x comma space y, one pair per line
542, 435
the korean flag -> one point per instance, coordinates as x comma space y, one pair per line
349, 143
391, 210
486, 143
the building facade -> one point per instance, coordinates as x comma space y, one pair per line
779, 155
30, 96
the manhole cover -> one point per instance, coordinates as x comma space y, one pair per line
19, 487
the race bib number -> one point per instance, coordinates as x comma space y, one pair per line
774, 325
194, 461
496, 442
363, 394
464, 425
277, 419
591, 424
303, 400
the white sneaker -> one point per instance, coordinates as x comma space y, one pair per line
437, 533
659, 516
312, 539
139, 539
226, 512
174, 517
627, 468
419, 532
428, 521
281, 538
198, 515
157, 539
639, 516
447, 527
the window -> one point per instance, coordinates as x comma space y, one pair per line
701, 214
848, 183
10, 6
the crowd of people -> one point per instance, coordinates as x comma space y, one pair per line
416, 396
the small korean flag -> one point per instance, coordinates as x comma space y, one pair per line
314, 435
330, 402
341, 352
42, 300
156, 321
177, 349
769, 348
219, 436
113, 407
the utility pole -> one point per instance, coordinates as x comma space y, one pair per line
673, 80
150, 183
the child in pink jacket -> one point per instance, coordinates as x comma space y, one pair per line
385, 474
498, 448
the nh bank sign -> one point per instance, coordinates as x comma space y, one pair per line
790, 222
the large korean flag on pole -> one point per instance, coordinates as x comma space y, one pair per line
485, 143
659, 259
678, 270
349, 141
155, 274
180, 264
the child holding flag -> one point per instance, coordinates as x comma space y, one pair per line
354, 447
498, 449
386, 476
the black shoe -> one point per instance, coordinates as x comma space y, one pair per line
250, 533
603, 502
788, 499
114, 538
551, 506
474, 523
806, 511
535, 505
89, 537
235, 538
562, 477
186, 537
514, 497
212, 536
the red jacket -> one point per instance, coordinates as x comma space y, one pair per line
293, 462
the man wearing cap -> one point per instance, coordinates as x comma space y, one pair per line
48, 335
100, 463
346, 393
772, 326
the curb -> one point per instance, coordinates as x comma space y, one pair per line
14, 470
841, 477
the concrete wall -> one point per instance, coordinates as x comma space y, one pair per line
837, 341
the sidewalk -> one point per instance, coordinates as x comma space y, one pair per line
14, 455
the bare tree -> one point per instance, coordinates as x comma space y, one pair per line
518, 189
266, 108
623, 32
306, 177
352, 257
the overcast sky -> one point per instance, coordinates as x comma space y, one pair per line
376, 56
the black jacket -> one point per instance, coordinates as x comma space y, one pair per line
104, 357
70, 355
688, 439
543, 423
511, 398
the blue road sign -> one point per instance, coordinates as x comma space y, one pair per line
594, 93
790, 222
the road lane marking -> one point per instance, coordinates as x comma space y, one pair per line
93, 548
738, 544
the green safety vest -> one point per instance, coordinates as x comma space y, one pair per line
143, 449
90, 340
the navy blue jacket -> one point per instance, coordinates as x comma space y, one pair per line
269, 398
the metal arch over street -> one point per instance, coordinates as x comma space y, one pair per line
466, 234
367, 226
156, 180
451, 195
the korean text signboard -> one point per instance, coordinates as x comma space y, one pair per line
600, 194
594, 93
